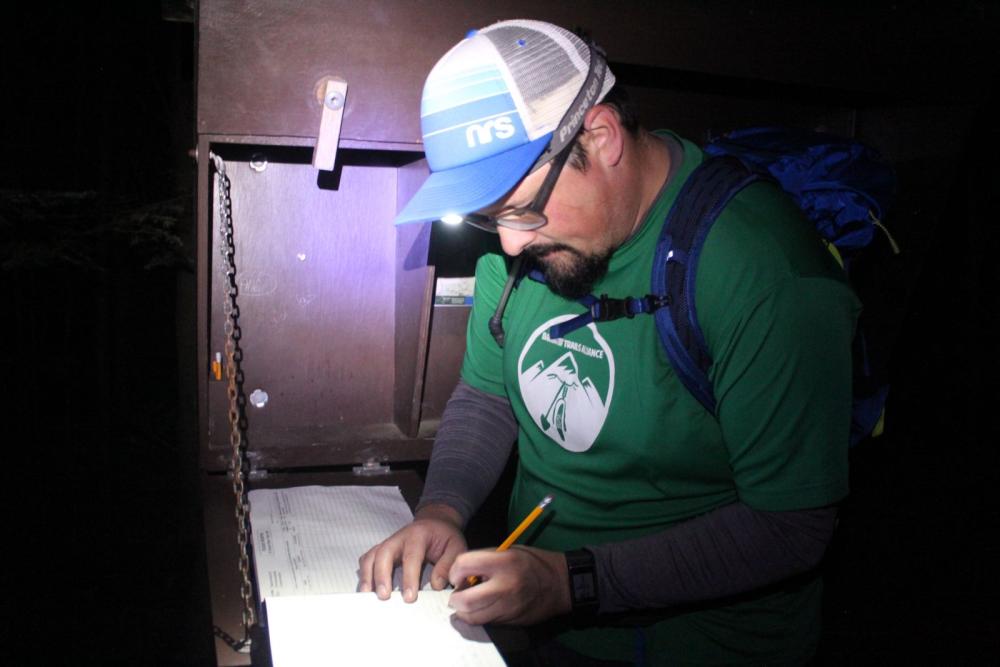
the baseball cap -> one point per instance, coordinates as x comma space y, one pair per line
499, 104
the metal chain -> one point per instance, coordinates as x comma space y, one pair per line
237, 400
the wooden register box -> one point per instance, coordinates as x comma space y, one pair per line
346, 359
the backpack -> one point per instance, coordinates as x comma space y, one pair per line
841, 185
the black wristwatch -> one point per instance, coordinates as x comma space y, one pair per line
582, 582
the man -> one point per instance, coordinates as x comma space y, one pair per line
691, 538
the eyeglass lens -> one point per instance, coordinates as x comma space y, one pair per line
528, 217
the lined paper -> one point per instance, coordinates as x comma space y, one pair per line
307, 539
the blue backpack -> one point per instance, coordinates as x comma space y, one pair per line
842, 186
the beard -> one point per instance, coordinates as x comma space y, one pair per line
573, 275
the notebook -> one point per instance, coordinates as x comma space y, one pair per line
307, 541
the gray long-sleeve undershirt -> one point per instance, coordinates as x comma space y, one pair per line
730, 550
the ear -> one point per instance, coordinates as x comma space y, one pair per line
605, 136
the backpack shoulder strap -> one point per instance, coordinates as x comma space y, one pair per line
702, 198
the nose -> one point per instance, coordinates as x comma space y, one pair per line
513, 241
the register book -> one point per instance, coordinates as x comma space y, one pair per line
307, 541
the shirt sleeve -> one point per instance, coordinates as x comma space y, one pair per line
473, 443
731, 550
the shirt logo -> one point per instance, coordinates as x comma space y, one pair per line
483, 133
567, 384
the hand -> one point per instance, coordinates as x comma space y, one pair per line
519, 586
435, 536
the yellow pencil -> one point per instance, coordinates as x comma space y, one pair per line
472, 579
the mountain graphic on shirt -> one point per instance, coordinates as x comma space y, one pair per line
567, 408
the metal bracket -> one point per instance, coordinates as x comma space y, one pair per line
253, 475
332, 93
370, 468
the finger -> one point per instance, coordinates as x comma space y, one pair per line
439, 575
365, 571
386, 557
413, 561
479, 605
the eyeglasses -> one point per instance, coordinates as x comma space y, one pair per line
524, 218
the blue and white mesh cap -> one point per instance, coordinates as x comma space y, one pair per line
489, 109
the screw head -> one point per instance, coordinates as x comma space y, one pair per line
334, 100
258, 162
258, 398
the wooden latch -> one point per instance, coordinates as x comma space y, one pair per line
332, 94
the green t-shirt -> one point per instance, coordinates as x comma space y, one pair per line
606, 425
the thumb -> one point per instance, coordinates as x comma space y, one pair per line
479, 563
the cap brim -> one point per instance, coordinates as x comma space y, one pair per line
470, 187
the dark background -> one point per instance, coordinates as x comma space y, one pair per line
97, 285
